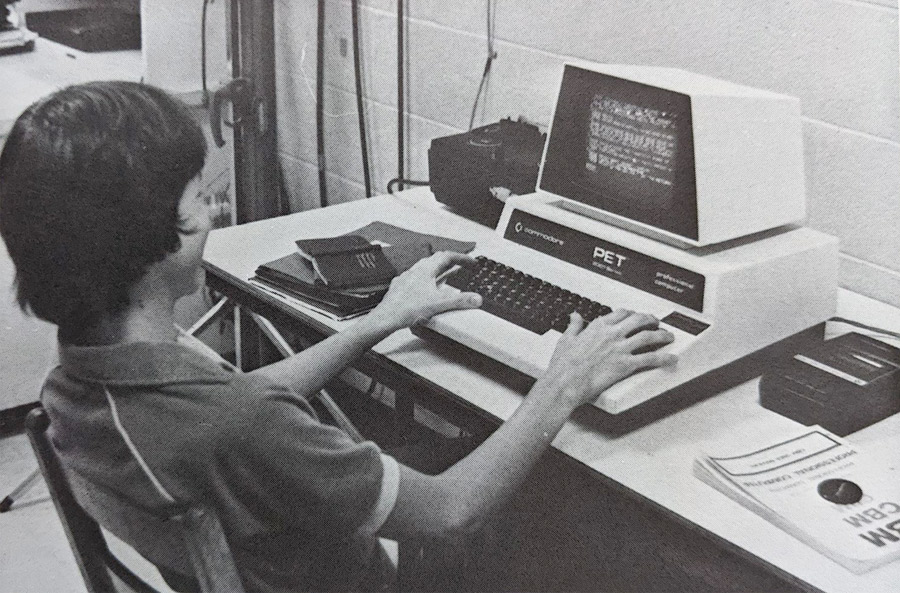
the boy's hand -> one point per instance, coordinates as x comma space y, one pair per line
418, 294
589, 360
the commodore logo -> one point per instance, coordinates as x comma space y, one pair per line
520, 227
544, 236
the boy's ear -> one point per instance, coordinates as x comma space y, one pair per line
190, 208
187, 225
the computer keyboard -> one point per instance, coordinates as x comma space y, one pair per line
524, 300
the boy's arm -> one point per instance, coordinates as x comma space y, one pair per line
414, 296
311, 369
587, 361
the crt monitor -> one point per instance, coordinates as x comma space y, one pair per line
682, 157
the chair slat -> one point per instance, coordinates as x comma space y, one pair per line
185, 540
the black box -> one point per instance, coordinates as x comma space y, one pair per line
843, 384
463, 168
89, 29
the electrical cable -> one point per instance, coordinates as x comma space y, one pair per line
320, 113
400, 180
401, 98
357, 69
284, 203
489, 61
312, 92
871, 328
205, 96
396, 182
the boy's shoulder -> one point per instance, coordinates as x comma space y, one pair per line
160, 370
180, 368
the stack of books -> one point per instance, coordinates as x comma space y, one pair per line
340, 277
824, 491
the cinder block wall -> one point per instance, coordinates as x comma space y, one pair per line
840, 57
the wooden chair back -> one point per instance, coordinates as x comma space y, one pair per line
185, 540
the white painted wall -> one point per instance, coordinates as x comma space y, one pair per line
172, 49
840, 57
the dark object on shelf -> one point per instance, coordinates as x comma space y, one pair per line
89, 29
843, 384
463, 168
14, 36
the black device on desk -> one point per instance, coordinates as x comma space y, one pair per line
101, 28
14, 35
843, 384
463, 168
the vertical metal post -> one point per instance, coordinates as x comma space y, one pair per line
255, 150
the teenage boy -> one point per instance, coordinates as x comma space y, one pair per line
102, 215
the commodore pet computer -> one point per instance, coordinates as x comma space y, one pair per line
684, 158
660, 191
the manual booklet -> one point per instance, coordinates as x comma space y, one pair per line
346, 261
826, 492
345, 276
290, 277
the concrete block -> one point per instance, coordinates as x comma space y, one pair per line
302, 185
851, 184
840, 58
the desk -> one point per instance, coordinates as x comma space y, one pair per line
30, 75
651, 463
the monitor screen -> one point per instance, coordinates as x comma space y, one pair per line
625, 148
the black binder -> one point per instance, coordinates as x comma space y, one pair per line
293, 276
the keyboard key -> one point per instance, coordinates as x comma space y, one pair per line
513, 315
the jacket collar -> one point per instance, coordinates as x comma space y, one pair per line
141, 363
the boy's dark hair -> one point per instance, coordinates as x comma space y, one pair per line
90, 182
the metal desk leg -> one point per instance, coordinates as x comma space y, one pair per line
405, 411
23, 487
285, 349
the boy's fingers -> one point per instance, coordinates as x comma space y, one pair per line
463, 300
576, 324
444, 260
637, 322
643, 339
616, 316
652, 360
